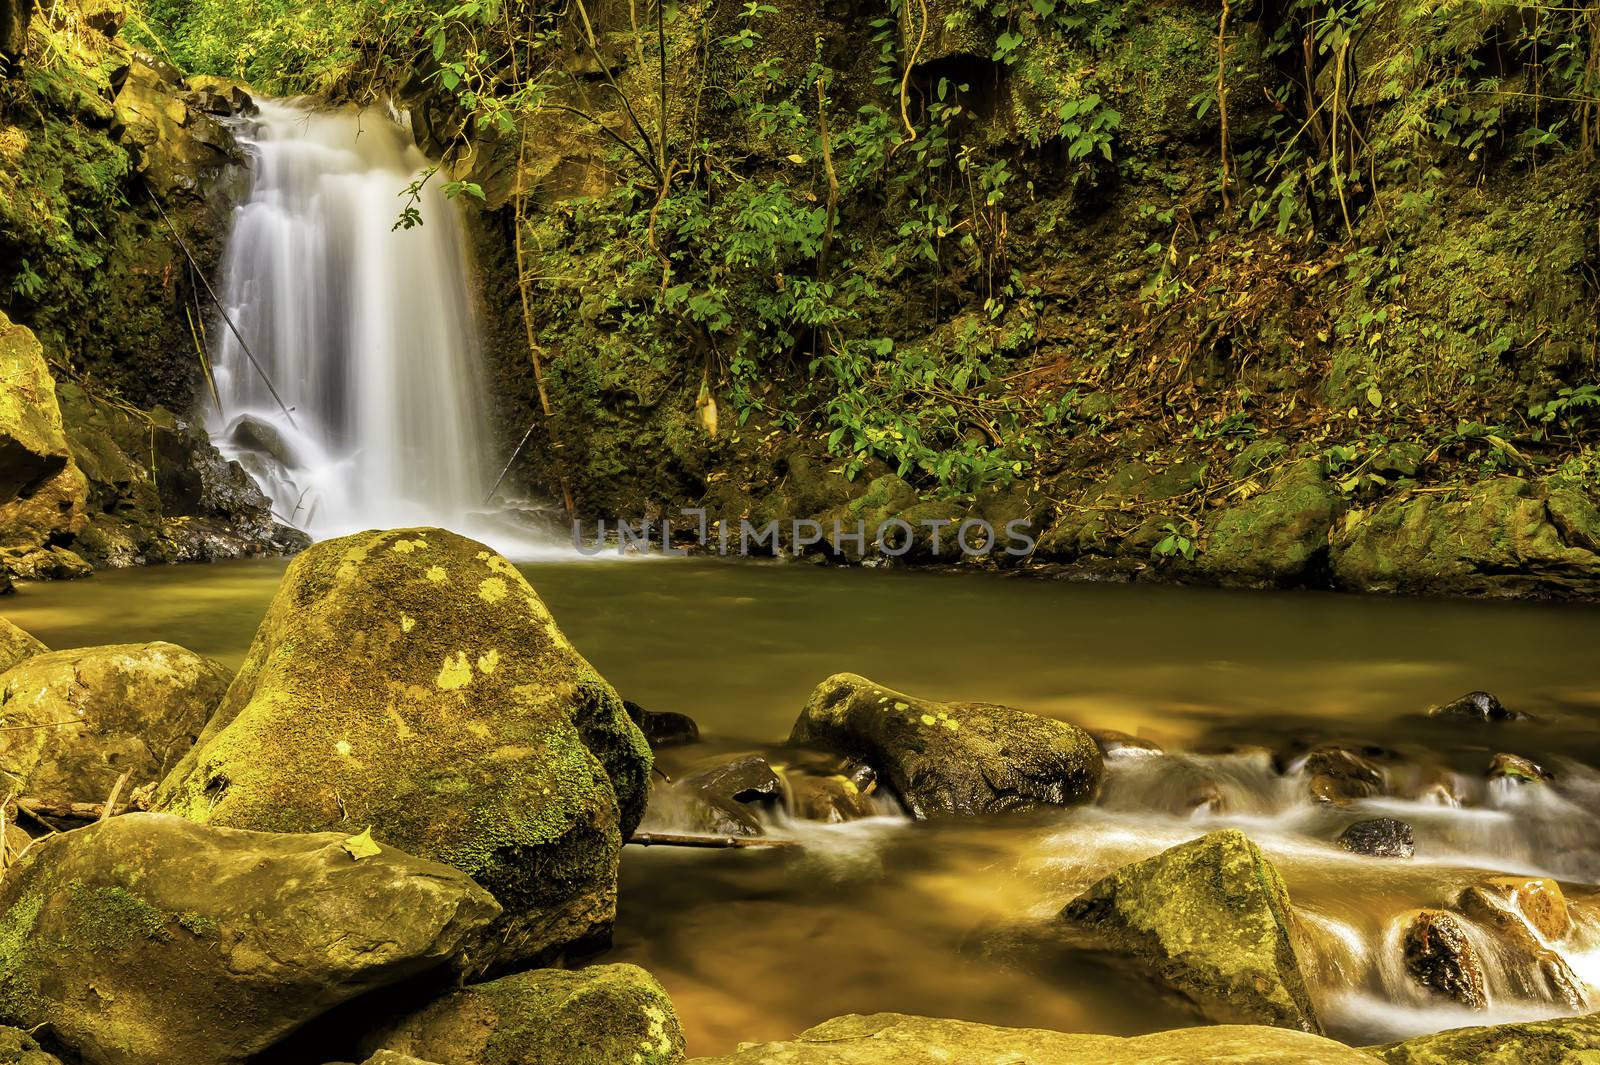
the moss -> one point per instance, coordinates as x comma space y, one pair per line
1567, 1041
110, 918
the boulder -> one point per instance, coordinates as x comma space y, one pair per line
1480, 707
133, 708
602, 1014
16, 644
946, 759
1537, 900
1380, 837
1496, 537
1441, 958
1536, 972
19, 1048
1278, 537
104, 16
411, 680
726, 796
1338, 775
147, 939
1211, 919
42, 493
14, 18
897, 1039
1564, 1041
180, 150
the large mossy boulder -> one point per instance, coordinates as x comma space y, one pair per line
1279, 537
596, 1016
1498, 537
1564, 1041
42, 493
79, 719
1211, 919
412, 681
147, 939
948, 759
898, 1039
16, 643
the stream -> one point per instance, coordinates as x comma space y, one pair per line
886, 914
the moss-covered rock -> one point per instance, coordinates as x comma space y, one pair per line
148, 939
897, 1039
603, 1015
103, 711
16, 643
1279, 537
412, 681
944, 759
1565, 1041
1211, 918
1496, 537
42, 493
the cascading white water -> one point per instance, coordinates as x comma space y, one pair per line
365, 331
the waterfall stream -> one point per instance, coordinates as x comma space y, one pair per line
366, 331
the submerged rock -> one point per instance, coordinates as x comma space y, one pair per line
1211, 919
412, 681
1564, 1041
133, 708
1380, 837
16, 644
603, 1014
945, 759
1537, 900
1474, 706
147, 939
898, 1039
729, 794
1441, 958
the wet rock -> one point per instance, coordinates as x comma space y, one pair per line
133, 708
411, 680
1480, 707
233, 95
1381, 837
1441, 958
1211, 919
1537, 972
1564, 1041
19, 1048
1538, 900
898, 1039
1278, 537
180, 150
1337, 775
1114, 744
731, 794
1516, 767
44, 564
602, 1014
148, 938
16, 644
663, 728
947, 759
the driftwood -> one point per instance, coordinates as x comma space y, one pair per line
677, 839
75, 811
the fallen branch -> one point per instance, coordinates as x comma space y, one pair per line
75, 811
676, 839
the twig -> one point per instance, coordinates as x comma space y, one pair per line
678, 839
110, 808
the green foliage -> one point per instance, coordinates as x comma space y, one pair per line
1178, 542
1573, 408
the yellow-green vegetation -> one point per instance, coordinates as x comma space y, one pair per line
16, 644
1565, 1041
383, 690
1212, 919
944, 759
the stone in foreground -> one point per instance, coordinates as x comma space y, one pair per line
1565, 1041
413, 682
595, 1016
147, 939
103, 711
897, 1039
16, 643
951, 759
1211, 918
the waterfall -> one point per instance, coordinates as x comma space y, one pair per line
365, 331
